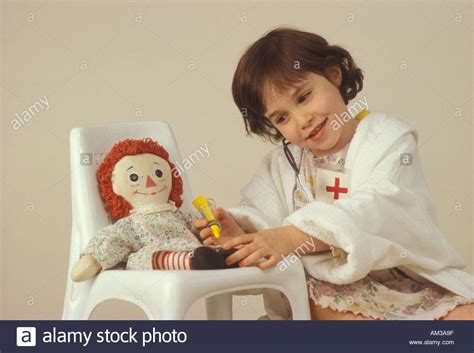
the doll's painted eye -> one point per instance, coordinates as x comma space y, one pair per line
133, 177
158, 173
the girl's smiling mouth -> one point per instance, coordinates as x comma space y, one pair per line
318, 131
152, 193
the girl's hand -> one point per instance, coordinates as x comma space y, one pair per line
269, 245
229, 228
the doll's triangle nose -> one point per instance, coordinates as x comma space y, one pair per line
149, 182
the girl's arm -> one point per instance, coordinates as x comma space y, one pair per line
300, 240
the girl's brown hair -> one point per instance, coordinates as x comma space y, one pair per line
282, 58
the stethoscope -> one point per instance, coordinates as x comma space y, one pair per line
300, 185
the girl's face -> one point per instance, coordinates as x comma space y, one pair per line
304, 114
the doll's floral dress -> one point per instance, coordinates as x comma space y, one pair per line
383, 294
135, 238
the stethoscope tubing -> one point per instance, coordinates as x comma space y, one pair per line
297, 168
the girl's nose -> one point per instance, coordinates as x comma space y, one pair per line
306, 122
149, 182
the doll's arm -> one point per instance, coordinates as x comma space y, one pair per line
110, 246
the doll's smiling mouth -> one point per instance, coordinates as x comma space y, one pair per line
152, 193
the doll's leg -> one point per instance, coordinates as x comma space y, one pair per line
202, 258
172, 260
149, 258
207, 258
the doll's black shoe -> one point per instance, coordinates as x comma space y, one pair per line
227, 253
206, 258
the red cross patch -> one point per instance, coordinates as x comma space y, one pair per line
331, 185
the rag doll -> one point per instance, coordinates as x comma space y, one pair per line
142, 189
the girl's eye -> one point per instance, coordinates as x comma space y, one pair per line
281, 119
133, 177
302, 98
158, 173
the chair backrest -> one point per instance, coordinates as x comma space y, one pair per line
88, 145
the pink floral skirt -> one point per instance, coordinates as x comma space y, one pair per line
386, 295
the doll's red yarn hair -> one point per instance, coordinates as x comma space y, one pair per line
116, 205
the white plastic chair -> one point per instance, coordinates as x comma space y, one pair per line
160, 294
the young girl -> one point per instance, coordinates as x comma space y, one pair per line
345, 192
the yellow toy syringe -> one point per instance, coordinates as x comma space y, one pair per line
202, 205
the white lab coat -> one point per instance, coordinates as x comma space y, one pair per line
387, 221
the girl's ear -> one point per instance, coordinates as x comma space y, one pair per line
335, 74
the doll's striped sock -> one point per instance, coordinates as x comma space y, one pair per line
172, 260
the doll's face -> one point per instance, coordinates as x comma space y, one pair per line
142, 179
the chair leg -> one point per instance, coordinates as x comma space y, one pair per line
219, 307
170, 312
299, 308
78, 313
